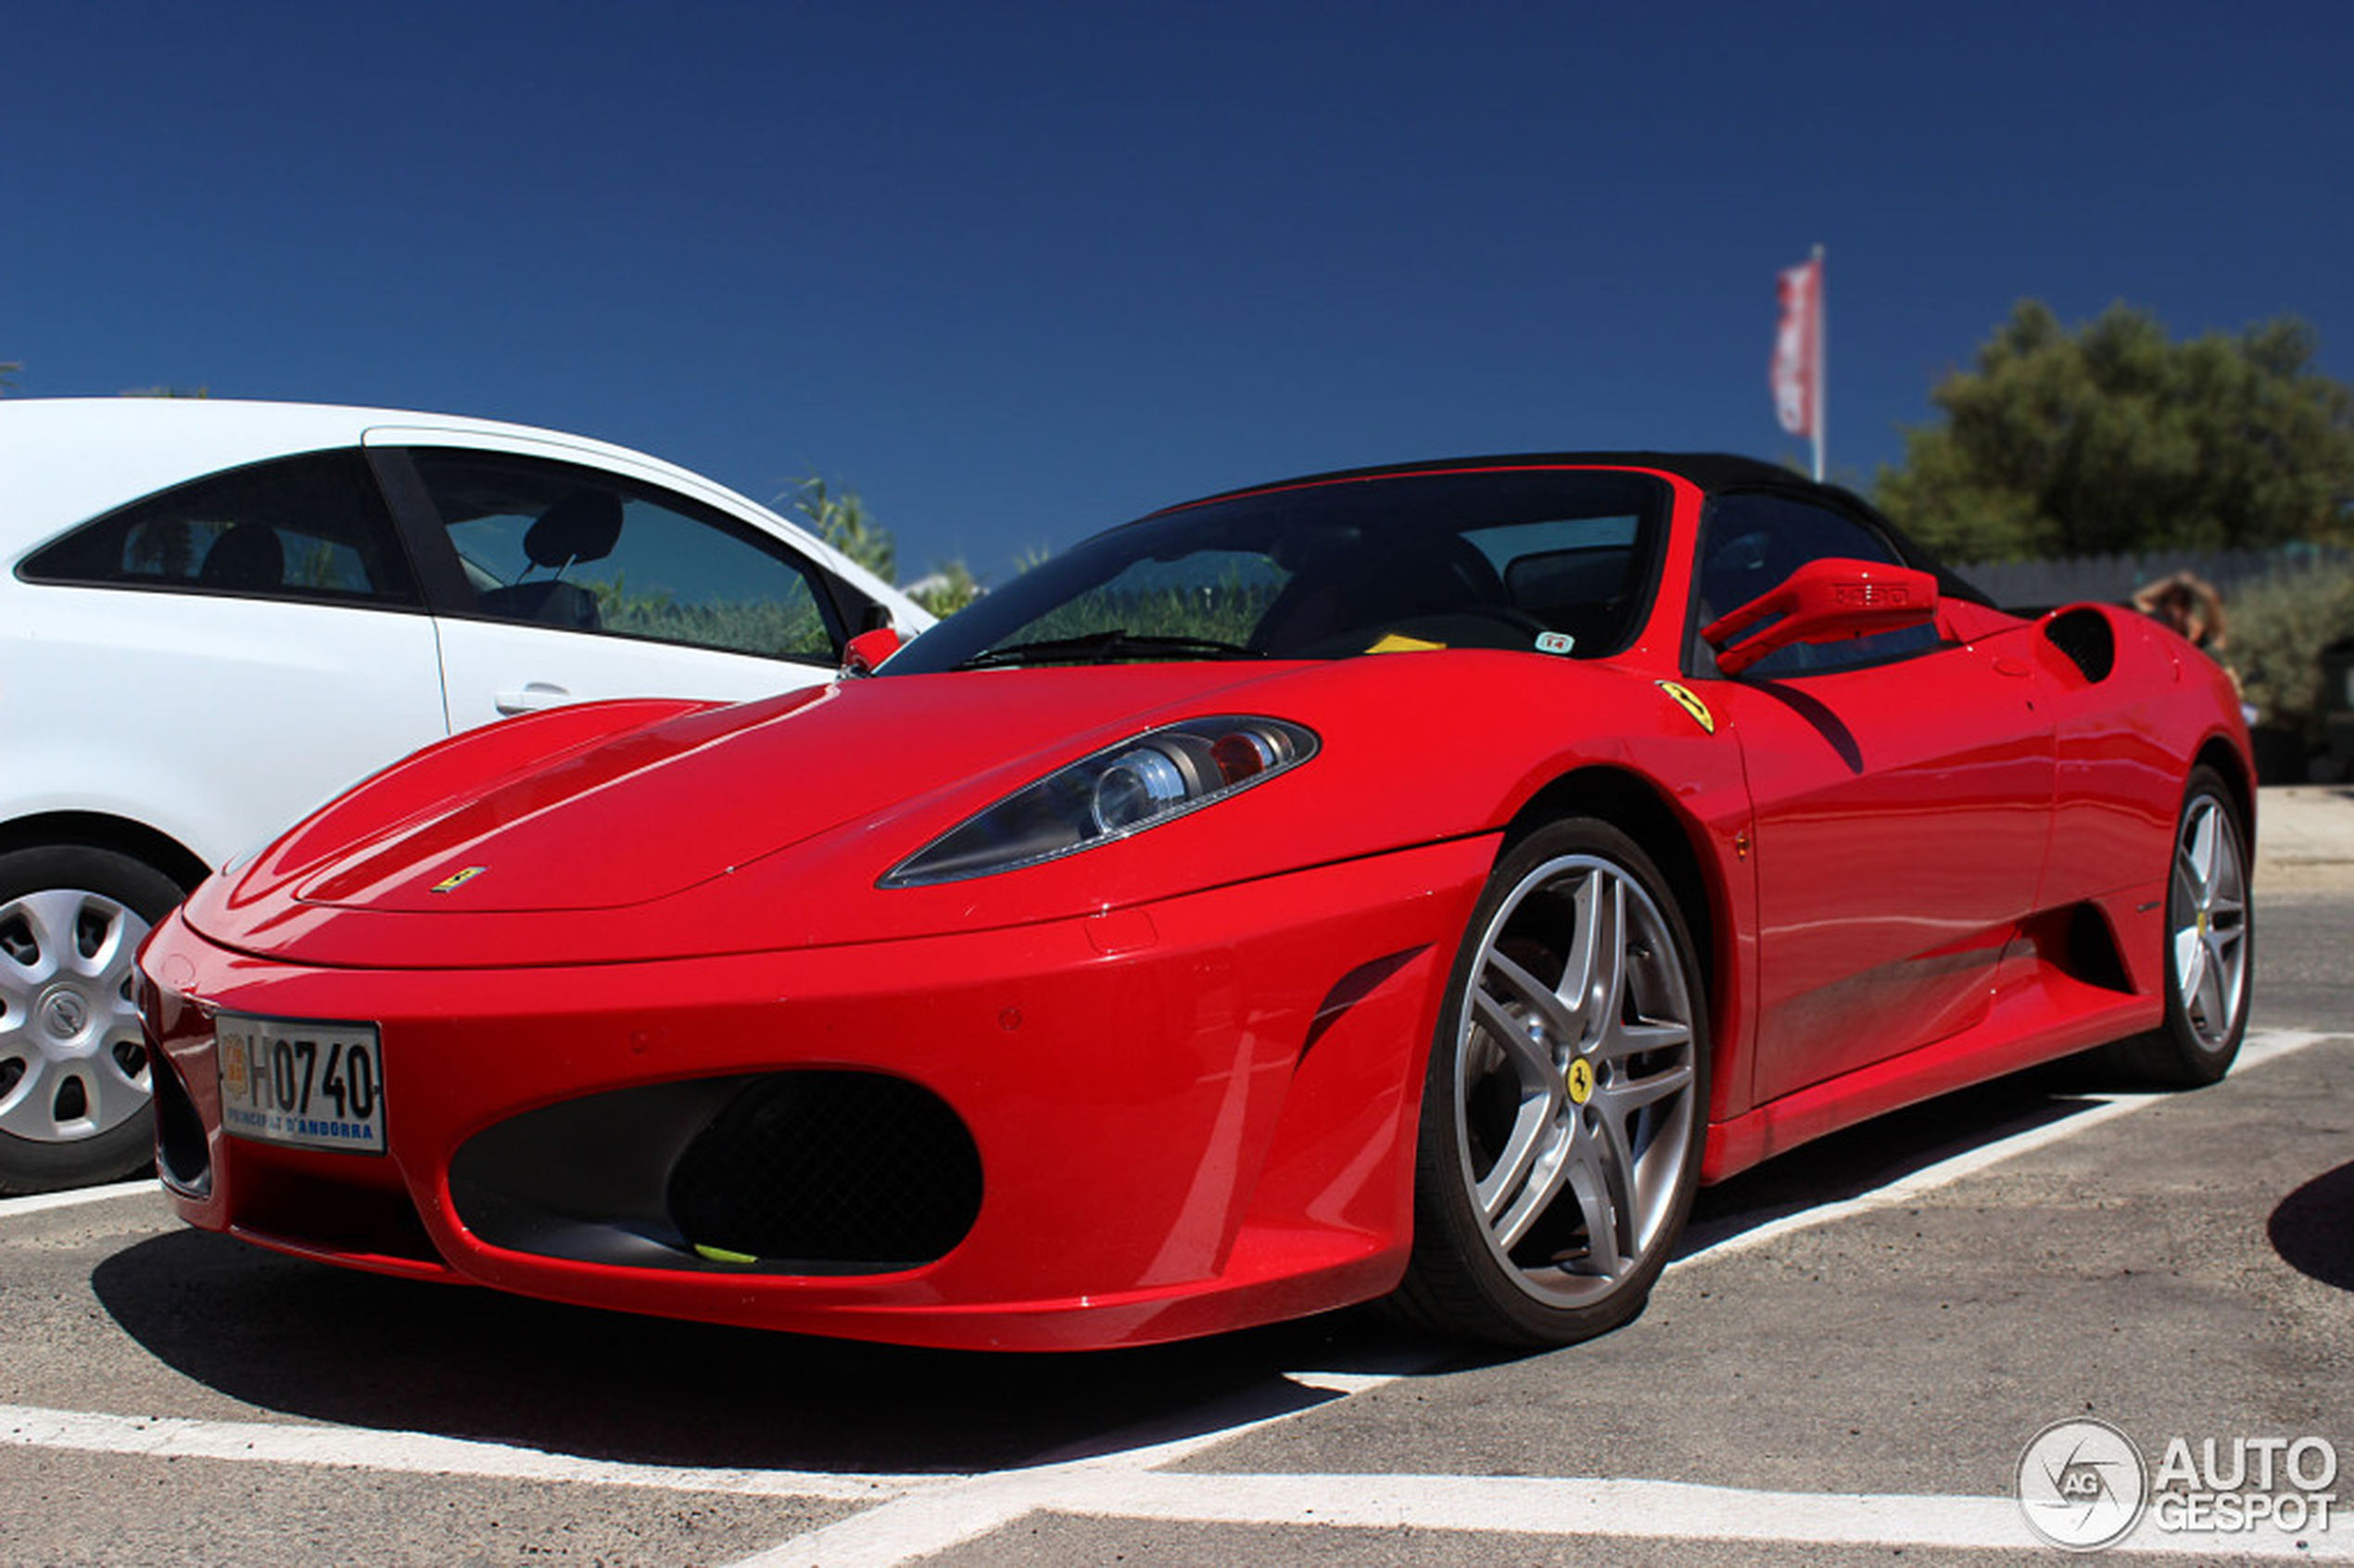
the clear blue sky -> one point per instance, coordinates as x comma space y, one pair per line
1018, 271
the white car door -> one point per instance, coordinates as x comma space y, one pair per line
237, 716
574, 582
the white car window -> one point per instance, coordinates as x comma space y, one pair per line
582, 549
312, 527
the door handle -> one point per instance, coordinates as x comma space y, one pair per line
535, 695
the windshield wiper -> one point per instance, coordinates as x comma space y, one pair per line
1116, 643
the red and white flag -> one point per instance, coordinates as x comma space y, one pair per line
1798, 360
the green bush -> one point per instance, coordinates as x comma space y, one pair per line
2277, 626
764, 626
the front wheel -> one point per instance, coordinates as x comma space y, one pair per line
1566, 1099
2208, 945
73, 1068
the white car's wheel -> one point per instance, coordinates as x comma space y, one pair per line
74, 1096
1565, 1100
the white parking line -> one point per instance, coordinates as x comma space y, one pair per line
920, 1516
39, 1202
411, 1453
907, 1528
1130, 1487
1588, 1507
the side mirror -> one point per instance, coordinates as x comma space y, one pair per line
864, 653
1822, 601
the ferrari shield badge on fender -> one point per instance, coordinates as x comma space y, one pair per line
1690, 702
459, 878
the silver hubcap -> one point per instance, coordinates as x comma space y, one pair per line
71, 1061
2208, 909
1574, 1077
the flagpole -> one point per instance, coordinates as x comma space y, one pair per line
1820, 390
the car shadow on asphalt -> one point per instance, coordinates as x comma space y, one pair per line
2313, 1228
320, 1344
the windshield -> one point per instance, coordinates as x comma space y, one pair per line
1557, 560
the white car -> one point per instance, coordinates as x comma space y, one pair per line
214, 615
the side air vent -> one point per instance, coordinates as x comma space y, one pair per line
2088, 640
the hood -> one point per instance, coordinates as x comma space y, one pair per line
605, 806
637, 815
623, 832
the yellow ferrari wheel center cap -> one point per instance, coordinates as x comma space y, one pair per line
1581, 1080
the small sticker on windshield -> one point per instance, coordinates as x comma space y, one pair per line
1555, 642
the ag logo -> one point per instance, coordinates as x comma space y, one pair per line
457, 879
2082, 1484
1581, 1080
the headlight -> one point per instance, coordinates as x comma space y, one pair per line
1140, 783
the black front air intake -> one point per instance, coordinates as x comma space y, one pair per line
813, 1171
830, 1170
183, 1158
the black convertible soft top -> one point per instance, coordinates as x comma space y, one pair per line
1710, 471
1714, 473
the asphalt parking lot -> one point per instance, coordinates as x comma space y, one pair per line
1847, 1365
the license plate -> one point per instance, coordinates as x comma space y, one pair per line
314, 1085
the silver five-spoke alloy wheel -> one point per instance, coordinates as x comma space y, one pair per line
1565, 1100
2209, 953
1573, 1079
2206, 917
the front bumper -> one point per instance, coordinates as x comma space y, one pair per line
1183, 1117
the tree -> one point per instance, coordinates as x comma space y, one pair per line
840, 518
10, 368
2114, 438
948, 589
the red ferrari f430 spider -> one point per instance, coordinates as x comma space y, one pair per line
1409, 883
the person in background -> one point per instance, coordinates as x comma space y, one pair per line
2188, 604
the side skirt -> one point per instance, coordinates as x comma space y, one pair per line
2048, 1016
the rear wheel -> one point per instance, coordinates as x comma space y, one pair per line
2208, 936
1565, 1100
74, 1068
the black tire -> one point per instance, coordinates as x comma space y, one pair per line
1560, 1144
2209, 947
74, 1088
